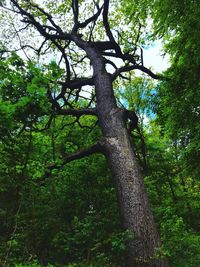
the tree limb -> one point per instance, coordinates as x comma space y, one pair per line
91, 19
96, 148
137, 67
77, 112
77, 83
107, 27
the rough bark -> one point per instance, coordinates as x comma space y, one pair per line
134, 205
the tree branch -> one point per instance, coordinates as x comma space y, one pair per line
137, 67
77, 112
107, 27
41, 28
77, 83
91, 19
49, 17
75, 9
97, 148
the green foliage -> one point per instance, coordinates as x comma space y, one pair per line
66, 217
178, 98
33, 264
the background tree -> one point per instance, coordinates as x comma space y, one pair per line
178, 25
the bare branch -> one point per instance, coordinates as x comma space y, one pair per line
97, 148
103, 46
137, 67
75, 9
49, 17
105, 21
91, 19
41, 46
20, 42
77, 112
107, 27
41, 28
77, 83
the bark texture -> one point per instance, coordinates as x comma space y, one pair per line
134, 205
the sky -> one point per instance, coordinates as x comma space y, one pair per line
153, 57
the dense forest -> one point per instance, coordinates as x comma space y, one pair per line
100, 155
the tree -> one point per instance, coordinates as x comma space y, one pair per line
178, 26
79, 46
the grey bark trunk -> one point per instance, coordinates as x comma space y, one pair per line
133, 201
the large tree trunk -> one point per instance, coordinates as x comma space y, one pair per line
133, 201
